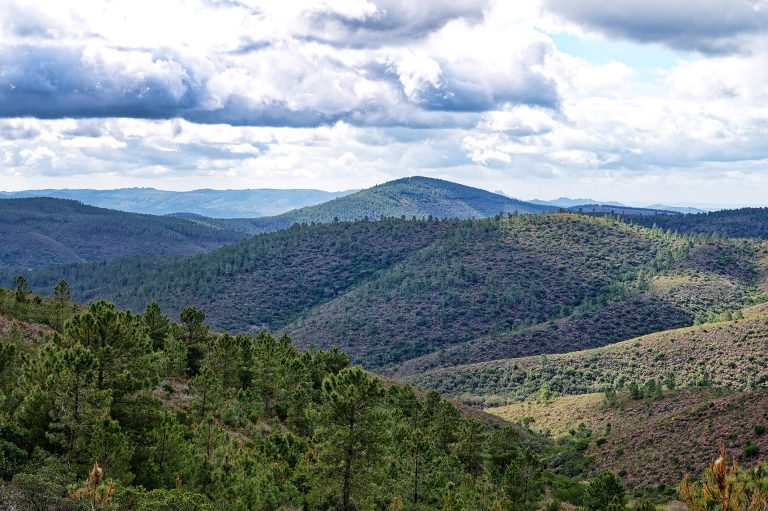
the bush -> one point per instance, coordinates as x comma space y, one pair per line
751, 450
604, 490
759, 429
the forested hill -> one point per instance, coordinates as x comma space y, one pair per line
39, 232
405, 295
421, 197
106, 410
212, 203
744, 222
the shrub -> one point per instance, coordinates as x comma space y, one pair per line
751, 450
604, 490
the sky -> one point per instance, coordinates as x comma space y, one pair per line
642, 101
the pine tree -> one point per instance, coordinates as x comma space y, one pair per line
77, 404
62, 297
169, 448
207, 392
21, 289
602, 491
195, 334
727, 487
350, 435
522, 480
122, 351
158, 324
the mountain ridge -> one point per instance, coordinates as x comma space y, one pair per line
43, 231
229, 203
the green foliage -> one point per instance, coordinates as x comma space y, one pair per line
739, 223
21, 289
351, 437
417, 197
158, 325
605, 492
259, 426
751, 450
554, 283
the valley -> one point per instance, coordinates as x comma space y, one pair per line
596, 341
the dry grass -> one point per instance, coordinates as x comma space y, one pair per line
730, 354
656, 441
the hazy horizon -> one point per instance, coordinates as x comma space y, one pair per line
700, 205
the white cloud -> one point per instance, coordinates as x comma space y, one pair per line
344, 94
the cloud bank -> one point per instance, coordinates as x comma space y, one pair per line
346, 93
706, 26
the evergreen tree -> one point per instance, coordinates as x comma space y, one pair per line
351, 436
21, 289
206, 391
169, 449
76, 402
522, 480
120, 346
62, 297
111, 449
602, 491
195, 334
158, 325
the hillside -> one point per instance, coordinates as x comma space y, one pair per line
121, 411
211, 203
655, 441
419, 197
566, 202
745, 222
480, 278
41, 232
707, 278
730, 354
259, 283
441, 292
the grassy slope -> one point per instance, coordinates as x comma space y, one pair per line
655, 441
729, 354
711, 276
40, 232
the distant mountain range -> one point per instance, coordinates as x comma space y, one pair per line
212, 203
567, 203
397, 197
42, 232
